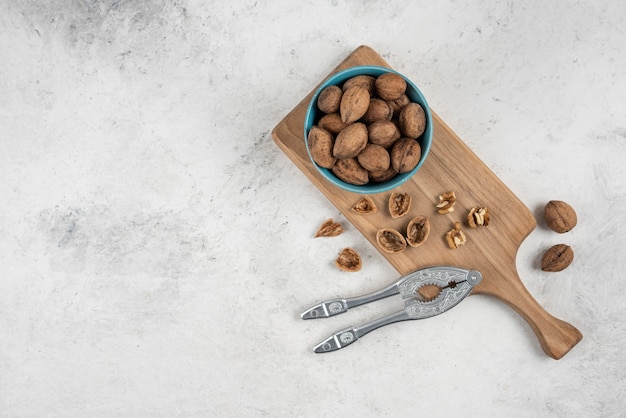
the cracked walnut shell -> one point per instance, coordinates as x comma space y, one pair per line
390, 240
399, 204
349, 260
417, 231
365, 206
330, 228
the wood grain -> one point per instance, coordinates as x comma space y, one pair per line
450, 166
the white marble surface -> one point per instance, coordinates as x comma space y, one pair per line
156, 246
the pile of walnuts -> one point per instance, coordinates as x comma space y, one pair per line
369, 129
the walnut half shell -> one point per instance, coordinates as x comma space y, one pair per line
349, 260
399, 204
365, 206
390, 240
417, 231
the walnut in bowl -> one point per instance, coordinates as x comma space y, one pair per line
368, 129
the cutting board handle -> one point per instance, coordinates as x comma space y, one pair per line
556, 337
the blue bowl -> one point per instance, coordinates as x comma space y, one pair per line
313, 114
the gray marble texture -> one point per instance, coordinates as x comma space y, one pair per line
156, 246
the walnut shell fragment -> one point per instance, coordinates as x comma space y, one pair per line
390, 240
455, 237
330, 228
349, 260
417, 231
478, 216
446, 202
557, 258
399, 204
365, 206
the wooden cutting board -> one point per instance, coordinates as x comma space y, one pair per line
450, 166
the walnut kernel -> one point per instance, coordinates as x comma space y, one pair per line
446, 202
455, 237
478, 216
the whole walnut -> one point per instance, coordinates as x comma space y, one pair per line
329, 99
557, 258
390, 86
321, 144
350, 141
560, 216
377, 110
332, 123
383, 132
412, 120
405, 155
398, 104
383, 175
363, 81
354, 104
350, 171
374, 158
